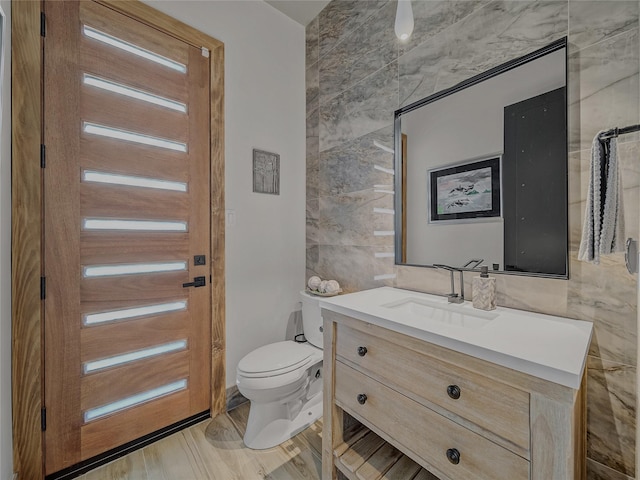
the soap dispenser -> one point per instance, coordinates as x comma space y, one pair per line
484, 290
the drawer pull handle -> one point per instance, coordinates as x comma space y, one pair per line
362, 398
453, 455
453, 391
362, 351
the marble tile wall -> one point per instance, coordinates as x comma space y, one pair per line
358, 74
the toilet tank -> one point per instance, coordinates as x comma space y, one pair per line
311, 319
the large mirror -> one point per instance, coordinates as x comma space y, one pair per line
481, 171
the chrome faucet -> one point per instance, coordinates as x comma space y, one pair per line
453, 297
473, 263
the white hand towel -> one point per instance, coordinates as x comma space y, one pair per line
603, 227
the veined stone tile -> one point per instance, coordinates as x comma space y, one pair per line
608, 88
312, 176
498, 32
365, 108
366, 50
431, 17
534, 294
313, 216
312, 257
312, 167
313, 132
611, 414
597, 471
577, 185
350, 167
312, 42
340, 18
312, 88
605, 294
354, 267
593, 21
349, 219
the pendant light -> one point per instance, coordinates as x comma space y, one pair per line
404, 20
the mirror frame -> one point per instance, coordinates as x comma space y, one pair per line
400, 146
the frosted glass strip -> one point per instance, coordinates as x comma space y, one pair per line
133, 269
128, 136
383, 147
134, 356
133, 93
127, 313
132, 181
134, 400
137, 225
386, 276
131, 48
387, 211
385, 170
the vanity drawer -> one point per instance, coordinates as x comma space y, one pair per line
427, 434
491, 405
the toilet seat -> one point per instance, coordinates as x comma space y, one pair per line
277, 359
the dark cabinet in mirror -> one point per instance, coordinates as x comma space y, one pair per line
481, 170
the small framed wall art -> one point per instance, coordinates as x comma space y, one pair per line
266, 172
466, 191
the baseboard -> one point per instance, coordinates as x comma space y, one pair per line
234, 398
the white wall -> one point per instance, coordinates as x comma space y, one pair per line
6, 454
264, 108
456, 129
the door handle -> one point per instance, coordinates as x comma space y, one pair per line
197, 282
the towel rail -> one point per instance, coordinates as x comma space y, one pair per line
614, 132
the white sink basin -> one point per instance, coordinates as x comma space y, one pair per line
422, 310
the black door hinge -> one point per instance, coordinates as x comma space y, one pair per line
43, 418
43, 23
43, 156
43, 288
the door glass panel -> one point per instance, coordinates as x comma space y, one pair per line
128, 313
131, 181
133, 93
134, 400
128, 47
133, 356
133, 137
133, 269
142, 225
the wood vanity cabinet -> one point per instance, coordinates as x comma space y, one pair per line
456, 416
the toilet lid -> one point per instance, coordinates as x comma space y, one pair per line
275, 358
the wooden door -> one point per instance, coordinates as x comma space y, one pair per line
126, 211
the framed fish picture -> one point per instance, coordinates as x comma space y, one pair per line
465, 191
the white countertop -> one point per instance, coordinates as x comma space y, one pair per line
548, 347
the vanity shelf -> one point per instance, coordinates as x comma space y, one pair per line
366, 456
441, 411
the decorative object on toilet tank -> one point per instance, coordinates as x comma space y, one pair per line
266, 172
332, 286
484, 290
314, 283
323, 288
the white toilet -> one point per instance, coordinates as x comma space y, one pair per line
283, 381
